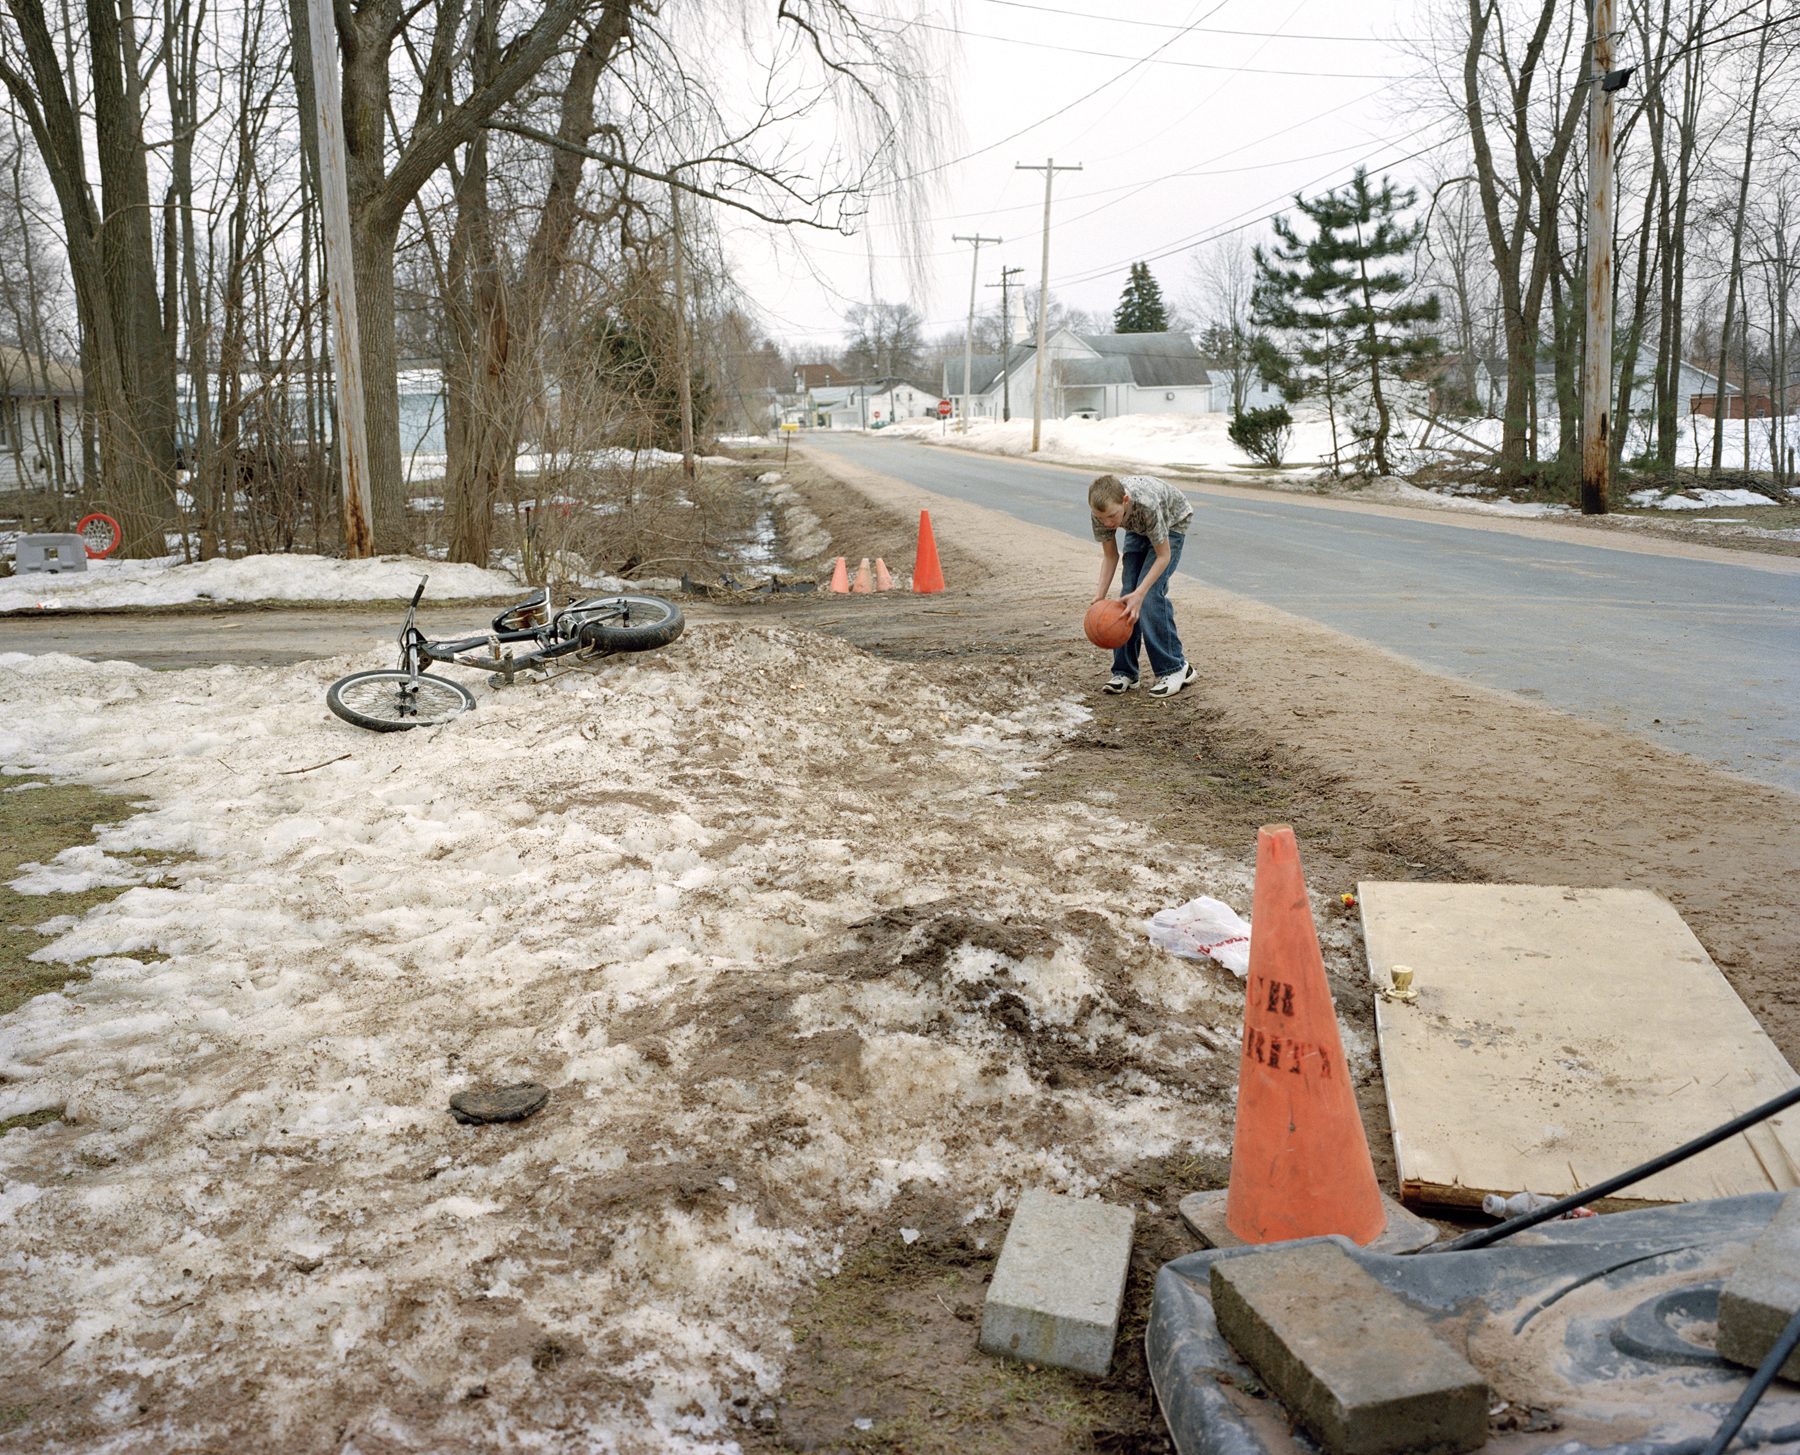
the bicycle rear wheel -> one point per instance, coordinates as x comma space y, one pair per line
391, 701
626, 623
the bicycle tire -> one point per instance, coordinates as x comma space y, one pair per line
627, 623
378, 701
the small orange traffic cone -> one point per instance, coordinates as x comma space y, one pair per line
1300, 1165
840, 578
883, 581
928, 575
861, 586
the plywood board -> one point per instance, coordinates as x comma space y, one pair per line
1561, 1036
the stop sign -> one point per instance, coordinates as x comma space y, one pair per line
943, 409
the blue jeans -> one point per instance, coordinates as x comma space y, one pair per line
1156, 622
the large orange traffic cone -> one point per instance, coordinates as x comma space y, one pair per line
1300, 1165
927, 574
883, 581
840, 578
861, 585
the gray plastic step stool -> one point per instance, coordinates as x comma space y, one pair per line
51, 554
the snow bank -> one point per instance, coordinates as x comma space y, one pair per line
762, 911
167, 582
1195, 440
1200, 441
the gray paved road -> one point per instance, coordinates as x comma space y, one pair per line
1698, 655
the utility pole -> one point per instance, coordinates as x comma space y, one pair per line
1005, 341
1049, 169
1596, 369
334, 221
686, 384
969, 335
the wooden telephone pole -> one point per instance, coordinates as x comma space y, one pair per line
685, 388
1049, 169
334, 215
1596, 366
969, 335
1004, 286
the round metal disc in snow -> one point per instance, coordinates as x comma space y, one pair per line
501, 1104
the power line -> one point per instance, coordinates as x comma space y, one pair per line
1237, 224
1126, 190
1061, 110
1167, 25
1044, 45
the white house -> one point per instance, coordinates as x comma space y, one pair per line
1099, 376
40, 421
1692, 383
869, 404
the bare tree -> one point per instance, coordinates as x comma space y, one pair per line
1222, 277
1734, 271
1520, 141
128, 363
885, 340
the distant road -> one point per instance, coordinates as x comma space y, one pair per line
1702, 656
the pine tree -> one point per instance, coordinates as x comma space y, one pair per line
1141, 307
1350, 327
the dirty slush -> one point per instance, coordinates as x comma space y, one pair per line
824, 927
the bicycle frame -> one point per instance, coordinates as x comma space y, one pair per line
417, 650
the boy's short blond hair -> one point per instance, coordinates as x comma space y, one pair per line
1105, 493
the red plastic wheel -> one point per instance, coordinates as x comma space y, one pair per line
100, 534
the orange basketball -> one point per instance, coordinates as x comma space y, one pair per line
1107, 625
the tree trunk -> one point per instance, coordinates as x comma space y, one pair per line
505, 364
478, 433
1537, 187
1737, 254
128, 370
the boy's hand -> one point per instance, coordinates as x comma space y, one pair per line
1133, 605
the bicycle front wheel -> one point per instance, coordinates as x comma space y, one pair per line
392, 701
626, 623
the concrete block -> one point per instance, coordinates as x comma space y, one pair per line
1060, 1283
1204, 1214
1357, 1368
1763, 1293
50, 554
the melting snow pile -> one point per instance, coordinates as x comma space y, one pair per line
759, 909
167, 582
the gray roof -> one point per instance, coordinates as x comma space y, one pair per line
1097, 371
985, 369
1156, 360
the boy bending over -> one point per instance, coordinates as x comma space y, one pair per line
1155, 518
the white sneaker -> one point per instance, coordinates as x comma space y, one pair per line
1118, 683
1175, 681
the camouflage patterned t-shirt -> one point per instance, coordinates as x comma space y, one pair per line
1153, 508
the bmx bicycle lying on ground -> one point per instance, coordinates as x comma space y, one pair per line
391, 700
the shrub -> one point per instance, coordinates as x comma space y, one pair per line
1263, 434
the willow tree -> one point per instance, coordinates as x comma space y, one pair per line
636, 95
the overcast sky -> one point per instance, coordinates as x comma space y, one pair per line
1188, 118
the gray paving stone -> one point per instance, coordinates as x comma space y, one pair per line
1357, 1368
1763, 1293
1060, 1282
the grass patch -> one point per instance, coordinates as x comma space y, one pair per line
31, 1120
37, 824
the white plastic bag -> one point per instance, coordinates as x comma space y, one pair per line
1201, 928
